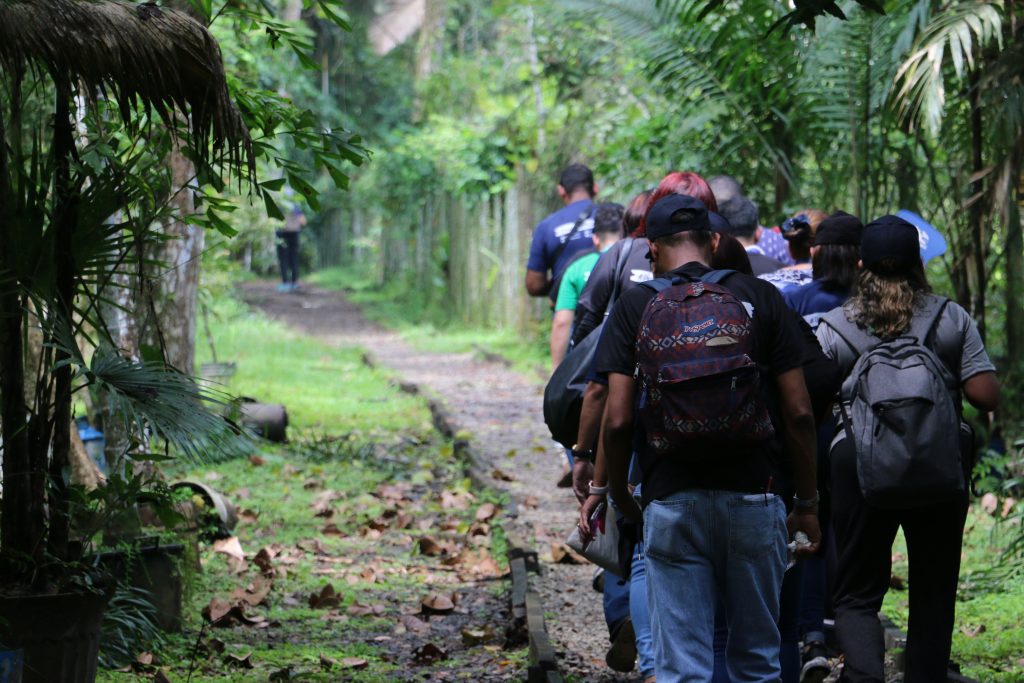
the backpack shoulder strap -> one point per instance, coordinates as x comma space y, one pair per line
854, 337
923, 325
714, 277
584, 215
620, 264
658, 284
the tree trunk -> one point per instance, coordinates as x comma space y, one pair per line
976, 212
430, 44
22, 517
173, 295
1014, 270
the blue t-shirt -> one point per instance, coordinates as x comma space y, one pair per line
552, 232
812, 301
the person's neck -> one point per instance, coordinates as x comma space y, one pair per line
682, 257
577, 196
746, 241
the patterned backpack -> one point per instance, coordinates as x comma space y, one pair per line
698, 379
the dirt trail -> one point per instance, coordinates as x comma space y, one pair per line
501, 410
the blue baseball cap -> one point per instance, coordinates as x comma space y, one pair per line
930, 240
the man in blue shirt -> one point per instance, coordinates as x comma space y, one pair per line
560, 236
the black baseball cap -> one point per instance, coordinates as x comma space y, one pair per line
718, 222
839, 228
890, 246
675, 213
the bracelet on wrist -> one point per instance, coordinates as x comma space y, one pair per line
806, 503
582, 454
597, 490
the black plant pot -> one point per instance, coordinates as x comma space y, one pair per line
60, 635
154, 568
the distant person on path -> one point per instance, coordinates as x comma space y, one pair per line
715, 528
607, 231
891, 300
741, 213
561, 235
771, 241
288, 248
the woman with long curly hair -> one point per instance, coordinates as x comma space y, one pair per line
891, 296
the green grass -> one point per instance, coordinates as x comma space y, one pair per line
323, 388
427, 325
988, 641
353, 433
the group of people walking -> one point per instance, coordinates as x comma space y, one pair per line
764, 409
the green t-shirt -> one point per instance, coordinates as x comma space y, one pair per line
573, 281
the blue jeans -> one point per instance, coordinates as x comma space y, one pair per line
616, 602
705, 546
641, 614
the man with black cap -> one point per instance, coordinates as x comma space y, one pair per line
834, 257
715, 527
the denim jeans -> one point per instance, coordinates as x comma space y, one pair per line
704, 546
616, 602
641, 614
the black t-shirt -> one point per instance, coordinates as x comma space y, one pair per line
780, 346
598, 292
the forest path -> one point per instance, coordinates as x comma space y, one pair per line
500, 409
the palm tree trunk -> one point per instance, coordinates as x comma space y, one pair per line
66, 216
21, 519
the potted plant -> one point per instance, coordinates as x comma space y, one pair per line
79, 82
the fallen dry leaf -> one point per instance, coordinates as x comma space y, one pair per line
486, 512
255, 593
248, 516
264, 560
500, 475
239, 661
355, 663
325, 599
428, 654
429, 546
332, 530
437, 604
359, 610
531, 502
145, 659
563, 554
473, 636
257, 461
326, 663
216, 610
972, 631
322, 503
311, 484
312, 545
215, 645
412, 624
161, 677
229, 546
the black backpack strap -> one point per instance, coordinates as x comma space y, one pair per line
620, 264
575, 228
714, 277
658, 284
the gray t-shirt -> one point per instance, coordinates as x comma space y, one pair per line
956, 342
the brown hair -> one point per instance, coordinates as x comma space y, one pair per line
884, 304
634, 215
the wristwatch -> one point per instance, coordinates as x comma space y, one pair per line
587, 454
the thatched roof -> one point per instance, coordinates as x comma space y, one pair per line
135, 53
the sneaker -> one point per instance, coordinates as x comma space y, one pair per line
816, 665
284, 287
622, 654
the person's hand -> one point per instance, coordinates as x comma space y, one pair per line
586, 512
630, 509
582, 473
807, 522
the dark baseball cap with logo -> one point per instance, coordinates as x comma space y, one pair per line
676, 213
890, 246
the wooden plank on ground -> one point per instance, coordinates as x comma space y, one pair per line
517, 568
534, 612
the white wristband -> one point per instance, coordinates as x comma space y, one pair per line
597, 490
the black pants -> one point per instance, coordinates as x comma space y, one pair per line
864, 538
288, 255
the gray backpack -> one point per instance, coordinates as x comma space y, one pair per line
901, 409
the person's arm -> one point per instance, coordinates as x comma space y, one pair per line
982, 391
537, 283
561, 325
590, 424
801, 443
617, 440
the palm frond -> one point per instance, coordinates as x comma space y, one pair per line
157, 399
919, 91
